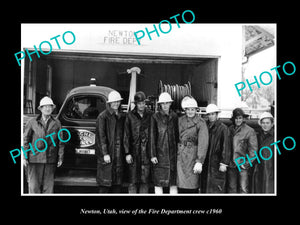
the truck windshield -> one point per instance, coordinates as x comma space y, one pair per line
84, 107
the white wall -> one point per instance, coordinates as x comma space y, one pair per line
218, 40
262, 61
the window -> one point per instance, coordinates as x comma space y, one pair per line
85, 107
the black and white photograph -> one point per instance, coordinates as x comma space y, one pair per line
131, 114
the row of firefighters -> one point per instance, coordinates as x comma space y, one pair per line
183, 154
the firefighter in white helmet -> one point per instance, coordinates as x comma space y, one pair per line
192, 147
47, 156
263, 175
163, 144
218, 155
109, 145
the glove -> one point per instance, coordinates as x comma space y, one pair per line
154, 160
106, 158
198, 168
222, 168
129, 159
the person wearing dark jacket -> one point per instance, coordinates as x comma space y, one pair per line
218, 155
243, 141
163, 145
109, 146
136, 137
42, 164
263, 175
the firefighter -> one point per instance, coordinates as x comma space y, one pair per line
136, 136
192, 147
42, 164
109, 145
163, 145
218, 155
263, 175
244, 141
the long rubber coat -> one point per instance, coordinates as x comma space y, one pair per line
136, 138
163, 145
109, 140
218, 152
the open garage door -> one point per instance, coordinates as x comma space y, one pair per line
73, 69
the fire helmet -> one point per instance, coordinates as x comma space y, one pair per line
211, 108
114, 96
189, 102
46, 101
164, 97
